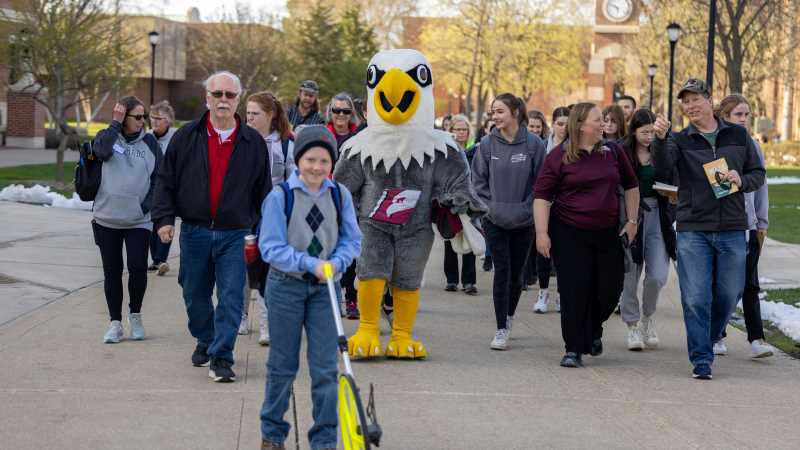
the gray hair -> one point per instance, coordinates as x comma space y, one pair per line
224, 73
460, 118
341, 97
165, 108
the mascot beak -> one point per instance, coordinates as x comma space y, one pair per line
396, 97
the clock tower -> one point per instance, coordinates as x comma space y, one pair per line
615, 22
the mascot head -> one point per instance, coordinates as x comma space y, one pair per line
400, 89
400, 112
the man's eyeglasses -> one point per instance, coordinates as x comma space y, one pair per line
138, 116
460, 130
341, 111
228, 94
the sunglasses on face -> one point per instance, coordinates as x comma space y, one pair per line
228, 94
138, 116
341, 111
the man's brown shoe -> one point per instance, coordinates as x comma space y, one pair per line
267, 445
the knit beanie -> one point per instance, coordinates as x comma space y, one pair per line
313, 136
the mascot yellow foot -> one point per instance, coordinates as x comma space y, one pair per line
366, 343
401, 345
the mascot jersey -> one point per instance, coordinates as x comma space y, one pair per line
395, 168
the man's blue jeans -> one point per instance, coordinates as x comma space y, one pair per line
293, 305
211, 257
711, 270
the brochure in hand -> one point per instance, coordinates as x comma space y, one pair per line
716, 171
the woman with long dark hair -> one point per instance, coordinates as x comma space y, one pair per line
576, 202
655, 240
614, 123
558, 128
504, 172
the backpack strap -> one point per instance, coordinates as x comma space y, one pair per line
336, 194
288, 201
285, 148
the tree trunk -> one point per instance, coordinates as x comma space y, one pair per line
788, 81
62, 145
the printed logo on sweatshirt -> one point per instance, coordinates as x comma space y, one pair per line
518, 158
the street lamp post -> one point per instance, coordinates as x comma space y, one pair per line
153, 36
673, 34
712, 28
651, 72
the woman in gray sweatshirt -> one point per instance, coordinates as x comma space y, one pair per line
504, 171
130, 159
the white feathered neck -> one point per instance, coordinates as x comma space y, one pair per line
391, 143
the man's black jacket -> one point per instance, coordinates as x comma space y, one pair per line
686, 151
182, 183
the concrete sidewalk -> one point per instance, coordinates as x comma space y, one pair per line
11, 156
63, 389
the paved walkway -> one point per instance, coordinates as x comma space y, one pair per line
63, 389
10, 156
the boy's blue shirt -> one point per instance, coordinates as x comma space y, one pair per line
273, 239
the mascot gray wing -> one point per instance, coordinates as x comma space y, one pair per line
453, 185
350, 173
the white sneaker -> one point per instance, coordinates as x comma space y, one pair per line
263, 334
137, 329
163, 268
244, 327
648, 330
500, 341
541, 303
720, 348
114, 333
760, 349
635, 342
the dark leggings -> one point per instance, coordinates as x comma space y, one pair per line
590, 269
537, 267
451, 266
510, 249
110, 241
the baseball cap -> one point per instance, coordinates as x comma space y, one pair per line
310, 86
694, 85
312, 136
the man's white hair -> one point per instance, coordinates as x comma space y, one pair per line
224, 73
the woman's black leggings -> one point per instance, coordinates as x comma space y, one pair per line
510, 249
137, 244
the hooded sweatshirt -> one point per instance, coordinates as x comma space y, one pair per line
163, 141
504, 174
128, 178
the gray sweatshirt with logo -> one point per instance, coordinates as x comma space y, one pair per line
128, 178
504, 174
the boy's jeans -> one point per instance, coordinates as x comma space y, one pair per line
211, 257
711, 270
293, 305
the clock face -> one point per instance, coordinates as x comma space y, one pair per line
617, 10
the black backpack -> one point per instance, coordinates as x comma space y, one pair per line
87, 173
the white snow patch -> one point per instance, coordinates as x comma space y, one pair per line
783, 180
765, 280
785, 317
41, 195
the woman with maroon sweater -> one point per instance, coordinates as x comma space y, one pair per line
579, 183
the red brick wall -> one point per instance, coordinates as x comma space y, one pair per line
25, 116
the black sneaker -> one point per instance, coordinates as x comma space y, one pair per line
470, 289
571, 359
200, 356
220, 371
352, 310
487, 264
597, 347
153, 267
451, 287
702, 372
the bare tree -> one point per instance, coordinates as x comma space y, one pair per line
64, 51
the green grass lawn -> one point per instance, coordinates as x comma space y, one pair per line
44, 174
784, 207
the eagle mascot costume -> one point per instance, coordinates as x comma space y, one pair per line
396, 168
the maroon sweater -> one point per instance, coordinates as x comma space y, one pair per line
584, 193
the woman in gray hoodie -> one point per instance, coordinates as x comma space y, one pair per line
130, 159
504, 171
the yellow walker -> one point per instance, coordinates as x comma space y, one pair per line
357, 433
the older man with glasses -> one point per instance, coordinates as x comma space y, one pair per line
215, 176
161, 117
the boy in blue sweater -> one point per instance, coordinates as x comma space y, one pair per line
307, 221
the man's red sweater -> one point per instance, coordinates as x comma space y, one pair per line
219, 155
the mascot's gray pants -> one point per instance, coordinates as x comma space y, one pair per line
398, 258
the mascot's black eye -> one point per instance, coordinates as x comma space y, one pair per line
421, 74
374, 76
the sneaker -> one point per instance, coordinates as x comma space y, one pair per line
571, 359
702, 372
267, 445
220, 371
648, 332
487, 264
541, 303
720, 348
163, 268
263, 334
500, 341
200, 356
114, 333
352, 310
451, 287
152, 268
137, 329
597, 347
470, 289
635, 342
244, 327
760, 349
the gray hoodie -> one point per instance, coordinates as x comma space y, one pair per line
127, 180
163, 141
504, 174
757, 203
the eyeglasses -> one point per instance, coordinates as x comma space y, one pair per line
228, 94
341, 111
157, 118
138, 116
460, 130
